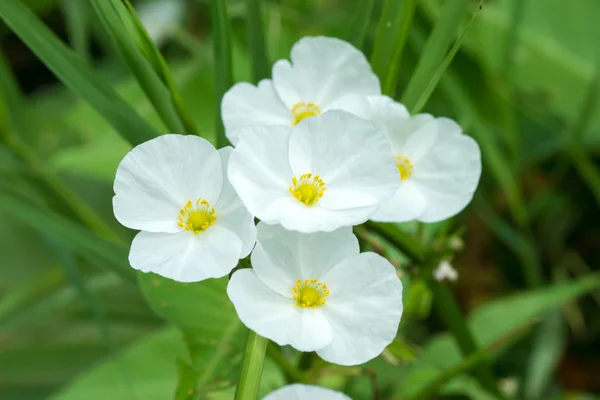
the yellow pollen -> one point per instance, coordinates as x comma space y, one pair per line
308, 189
196, 217
304, 110
310, 293
404, 166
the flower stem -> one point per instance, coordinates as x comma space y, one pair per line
292, 373
254, 358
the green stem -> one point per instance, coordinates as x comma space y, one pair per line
404, 242
254, 358
292, 373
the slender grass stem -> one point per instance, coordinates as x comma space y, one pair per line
252, 366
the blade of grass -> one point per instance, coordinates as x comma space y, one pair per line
74, 72
256, 40
444, 31
223, 65
390, 39
72, 236
115, 18
357, 31
435, 79
76, 18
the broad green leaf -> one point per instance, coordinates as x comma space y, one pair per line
74, 72
256, 40
436, 47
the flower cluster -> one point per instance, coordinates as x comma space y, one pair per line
318, 150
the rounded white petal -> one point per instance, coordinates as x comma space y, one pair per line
156, 179
364, 309
350, 154
230, 210
406, 204
281, 257
448, 174
299, 391
276, 317
246, 105
388, 115
322, 70
186, 257
259, 167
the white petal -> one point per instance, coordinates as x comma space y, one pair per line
231, 212
259, 169
245, 105
186, 257
406, 204
364, 309
421, 140
276, 317
388, 115
448, 174
299, 391
281, 257
157, 178
350, 154
297, 216
323, 69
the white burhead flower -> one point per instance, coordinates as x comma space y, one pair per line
299, 391
329, 171
325, 74
439, 166
445, 271
174, 189
317, 292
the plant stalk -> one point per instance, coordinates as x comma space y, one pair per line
252, 366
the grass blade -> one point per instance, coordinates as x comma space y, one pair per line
256, 39
392, 31
357, 31
223, 64
116, 21
437, 44
74, 72
77, 20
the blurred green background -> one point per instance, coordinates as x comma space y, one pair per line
74, 323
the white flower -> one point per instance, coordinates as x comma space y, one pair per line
193, 226
439, 166
299, 391
325, 74
445, 271
329, 171
318, 293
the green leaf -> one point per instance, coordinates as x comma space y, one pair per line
212, 330
186, 386
77, 21
256, 40
74, 72
223, 65
392, 31
444, 32
72, 236
357, 30
115, 18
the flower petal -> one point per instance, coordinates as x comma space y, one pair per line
231, 212
259, 169
323, 69
245, 105
350, 154
276, 317
157, 178
448, 175
406, 204
281, 257
421, 140
299, 391
186, 257
364, 308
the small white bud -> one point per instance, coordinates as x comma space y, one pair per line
445, 271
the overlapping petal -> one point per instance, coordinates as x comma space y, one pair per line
305, 392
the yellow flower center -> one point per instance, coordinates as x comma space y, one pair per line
404, 166
196, 217
308, 189
304, 110
310, 293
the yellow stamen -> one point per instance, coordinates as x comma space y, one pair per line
310, 293
196, 217
304, 110
404, 166
308, 189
